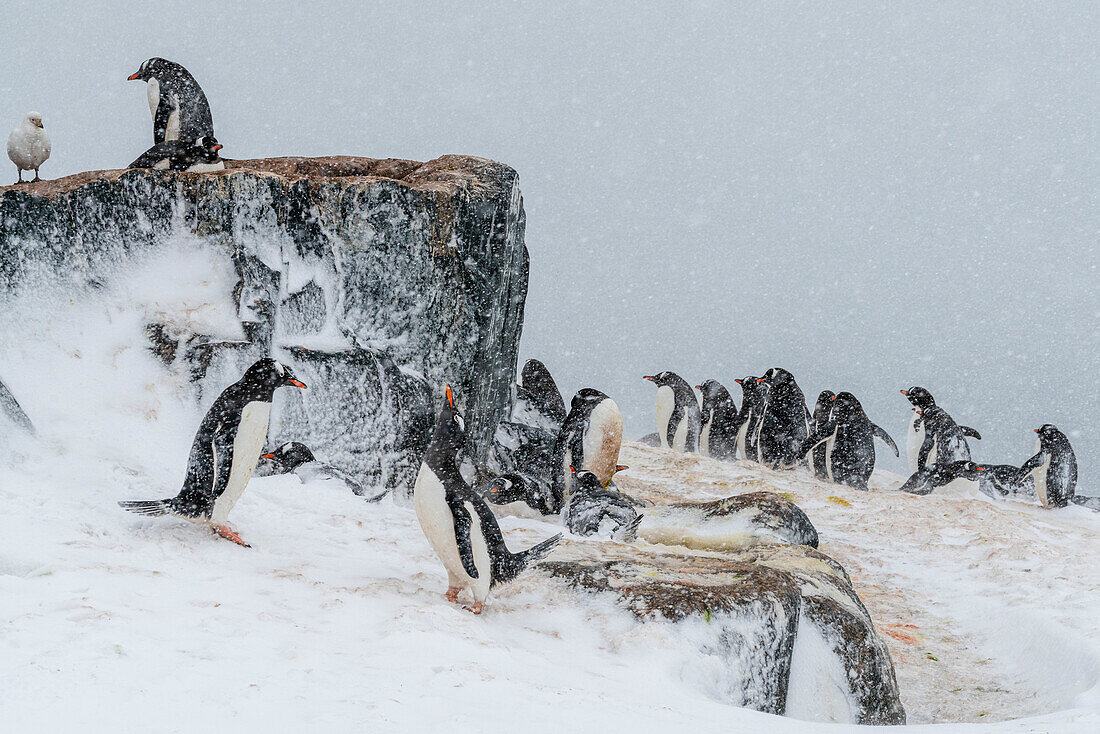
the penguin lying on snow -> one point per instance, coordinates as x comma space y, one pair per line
590, 438
295, 457
849, 439
933, 436
718, 435
176, 101
194, 156
594, 509
457, 521
1002, 480
934, 476
225, 450
679, 418
508, 488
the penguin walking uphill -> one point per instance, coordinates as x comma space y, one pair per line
721, 420
848, 436
933, 436
457, 521
225, 450
590, 438
679, 418
197, 156
784, 422
1054, 468
176, 101
754, 394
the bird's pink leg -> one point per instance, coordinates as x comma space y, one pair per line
226, 532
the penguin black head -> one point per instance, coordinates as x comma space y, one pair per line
968, 470
776, 377
661, 379
589, 395
753, 387
919, 397
450, 429
208, 147
824, 401
508, 488
845, 404
289, 456
155, 67
712, 390
266, 375
1049, 435
585, 480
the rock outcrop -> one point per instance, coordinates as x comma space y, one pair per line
730, 523
378, 279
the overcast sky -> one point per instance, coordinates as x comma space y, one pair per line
871, 198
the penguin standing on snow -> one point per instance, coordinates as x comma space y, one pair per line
590, 438
785, 421
594, 509
176, 101
1054, 468
820, 419
225, 450
933, 436
296, 458
679, 418
457, 521
721, 419
198, 156
849, 439
754, 394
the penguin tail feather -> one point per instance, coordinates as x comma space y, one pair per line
629, 533
541, 550
151, 508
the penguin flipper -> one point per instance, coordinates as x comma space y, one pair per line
970, 432
10, 406
1093, 503
462, 540
815, 439
160, 122
925, 448
674, 425
882, 434
1031, 465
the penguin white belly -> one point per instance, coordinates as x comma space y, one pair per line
1040, 476
829, 443
666, 401
162, 164
742, 433
153, 93
679, 440
484, 565
602, 440
173, 130
206, 167
251, 435
704, 436
914, 439
438, 523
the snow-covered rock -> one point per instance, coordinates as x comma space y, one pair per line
380, 279
732, 522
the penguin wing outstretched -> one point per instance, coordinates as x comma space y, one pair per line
885, 437
462, 537
970, 432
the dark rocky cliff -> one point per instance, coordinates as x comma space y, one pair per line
377, 279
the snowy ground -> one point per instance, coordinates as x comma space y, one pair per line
334, 620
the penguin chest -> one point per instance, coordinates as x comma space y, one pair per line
206, 167
831, 455
153, 92
704, 434
437, 520
602, 440
666, 402
247, 444
913, 440
1041, 481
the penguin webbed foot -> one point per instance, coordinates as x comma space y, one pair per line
229, 534
452, 595
474, 608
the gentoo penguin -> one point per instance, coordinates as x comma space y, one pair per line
754, 394
590, 438
678, 415
1001, 480
198, 156
176, 102
514, 487
538, 391
225, 450
934, 476
849, 439
933, 435
785, 421
457, 521
1054, 468
718, 436
819, 420
10, 407
295, 457
29, 145
594, 509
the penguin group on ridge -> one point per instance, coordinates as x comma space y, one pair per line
835, 441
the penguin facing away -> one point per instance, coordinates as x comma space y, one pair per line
1054, 468
679, 417
754, 394
176, 101
198, 156
538, 389
458, 523
590, 438
296, 458
822, 408
721, 421
849, 442
594, 509
225, 451
785, 421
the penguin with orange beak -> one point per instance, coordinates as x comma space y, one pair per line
176, 101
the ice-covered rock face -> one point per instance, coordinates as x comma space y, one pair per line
778, 626
377, 280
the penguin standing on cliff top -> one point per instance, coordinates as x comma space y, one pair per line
1054, 468
849, 439
933, 436
459, 525
785, 421
590, 438
721, 420
176, 101
679, 417
225, 450
198, 156
753, 396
